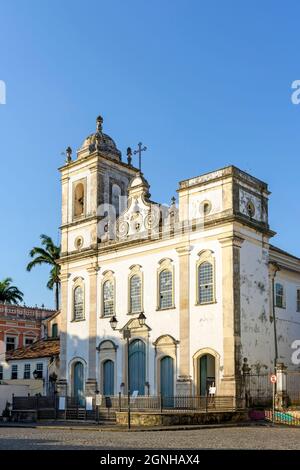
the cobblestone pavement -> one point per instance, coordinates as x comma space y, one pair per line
254, 437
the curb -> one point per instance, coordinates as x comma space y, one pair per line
105, 428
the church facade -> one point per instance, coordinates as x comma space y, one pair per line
168, 299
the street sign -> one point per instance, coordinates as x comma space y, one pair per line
273, 379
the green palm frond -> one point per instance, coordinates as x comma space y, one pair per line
10, 294
49, 254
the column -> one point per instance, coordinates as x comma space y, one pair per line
183, 386
62, 386
91, 383
281, 398
231, 304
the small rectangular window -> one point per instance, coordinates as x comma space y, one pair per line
279, 295
14, 372
28, 341
54, 330
27, 371
1, 372
298, 300
39, 370
11, 343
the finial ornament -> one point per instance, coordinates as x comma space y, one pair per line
68, 154
99, 123
129, 156
173, 201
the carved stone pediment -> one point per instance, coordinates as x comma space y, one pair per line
141, 216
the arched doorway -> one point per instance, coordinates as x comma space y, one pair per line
167, 380
78, 382
137, 366
207, 371
108, 377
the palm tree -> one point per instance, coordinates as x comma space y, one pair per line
9, 294
49, 253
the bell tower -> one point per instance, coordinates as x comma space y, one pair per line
91, 183
94, 184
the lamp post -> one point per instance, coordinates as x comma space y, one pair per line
127, 337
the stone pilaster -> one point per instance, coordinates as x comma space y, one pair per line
231, 382
281, 397
183, 386
91, 383
62, 381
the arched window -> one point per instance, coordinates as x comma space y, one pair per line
79, 200
78, 303
108, 298
165, 289
135, 293
115, 198
205, 283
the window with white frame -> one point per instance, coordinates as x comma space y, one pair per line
108, 298
205, 283
39, 370
78, 303
279, 295
27, 371
14, 372
165, 289
11, 342
298, 300
135, 293
28, 341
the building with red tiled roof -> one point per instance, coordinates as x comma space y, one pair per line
20, 326
34, 364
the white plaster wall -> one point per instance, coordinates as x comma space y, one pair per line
161, 322
84, 232
77, 331
7, 367
288, 319
214, 196
256, 328
206, 321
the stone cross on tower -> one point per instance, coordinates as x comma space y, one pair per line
139, 151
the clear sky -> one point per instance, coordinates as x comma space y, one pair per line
202, 83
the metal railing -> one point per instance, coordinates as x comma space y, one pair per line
283, 417
172, 404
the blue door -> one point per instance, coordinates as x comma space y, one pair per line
108, 378
167, 380
78, 382
137, 366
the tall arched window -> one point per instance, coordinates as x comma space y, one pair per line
205, 283
108, 298
79, 200
78, 303
135, 293
115, 198
165, 289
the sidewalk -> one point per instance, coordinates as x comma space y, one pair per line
108, 427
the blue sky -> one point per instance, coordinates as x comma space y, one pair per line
202, 83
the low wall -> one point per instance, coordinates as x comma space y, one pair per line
175, 419
7, 391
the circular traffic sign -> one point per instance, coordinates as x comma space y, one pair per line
273, 379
